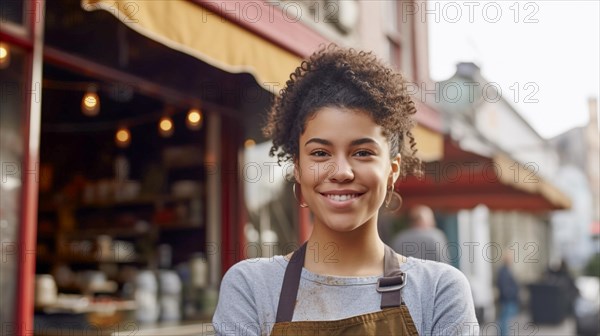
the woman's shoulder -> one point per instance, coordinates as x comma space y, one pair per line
439, 296
254, 268
433, 273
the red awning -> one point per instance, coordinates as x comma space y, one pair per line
462, 180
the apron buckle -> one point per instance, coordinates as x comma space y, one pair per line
390, 284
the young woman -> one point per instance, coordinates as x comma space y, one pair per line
344, 120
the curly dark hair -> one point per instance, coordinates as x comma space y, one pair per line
350, 79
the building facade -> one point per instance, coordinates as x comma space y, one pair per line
578, 177
492, 191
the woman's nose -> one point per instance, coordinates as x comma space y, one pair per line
340, 171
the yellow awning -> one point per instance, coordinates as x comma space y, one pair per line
191, 29
430, 144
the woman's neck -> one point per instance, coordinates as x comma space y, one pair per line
354, 253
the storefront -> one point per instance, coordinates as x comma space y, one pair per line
121, 134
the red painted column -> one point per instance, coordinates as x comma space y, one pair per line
30, 173
232, 244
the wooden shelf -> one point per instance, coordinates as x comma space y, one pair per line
145, 200
108, 231
179, 226
85, 222
93, 260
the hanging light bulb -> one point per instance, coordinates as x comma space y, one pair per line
194, 119
165, 126
4, 55
123, 137
249, 143
90, 103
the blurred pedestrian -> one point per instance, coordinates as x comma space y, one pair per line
561, 276
423, 239
508, 289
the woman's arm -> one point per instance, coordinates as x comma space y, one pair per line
454, 311
236, 312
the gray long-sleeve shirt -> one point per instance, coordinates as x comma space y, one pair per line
437, 295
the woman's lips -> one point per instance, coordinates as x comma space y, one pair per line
341, 201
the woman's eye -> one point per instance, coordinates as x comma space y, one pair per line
363, 153
319, 153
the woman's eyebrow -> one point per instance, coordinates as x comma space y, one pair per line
356, 142
363, 141
319, 141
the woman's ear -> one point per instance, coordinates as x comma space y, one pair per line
396, 161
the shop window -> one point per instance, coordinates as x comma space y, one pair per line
13, 15
12, 84
118, 212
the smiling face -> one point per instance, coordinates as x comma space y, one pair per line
344, 168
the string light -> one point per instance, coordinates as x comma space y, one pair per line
194, 119
123, 137
165, 126
90, 106
90, 103
249, 143
4, 55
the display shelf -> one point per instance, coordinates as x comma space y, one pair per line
180, 226
115, 232
74, 259
144, 200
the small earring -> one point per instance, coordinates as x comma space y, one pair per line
388, 197
388, 201
302, 205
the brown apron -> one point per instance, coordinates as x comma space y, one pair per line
393, 319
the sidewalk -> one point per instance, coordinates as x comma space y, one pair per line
524, 326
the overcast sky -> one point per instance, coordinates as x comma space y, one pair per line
551, 51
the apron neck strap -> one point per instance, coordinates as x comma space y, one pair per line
289, 288
389, 285
393, 280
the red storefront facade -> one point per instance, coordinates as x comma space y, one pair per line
276, 36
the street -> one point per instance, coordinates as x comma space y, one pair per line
524, 326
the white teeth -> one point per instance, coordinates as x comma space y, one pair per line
341, 198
